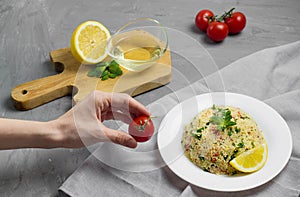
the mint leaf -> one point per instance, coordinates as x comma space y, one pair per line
105, 70
111, 75
119, 72
92, 73
104, 77
101, 64
114, 63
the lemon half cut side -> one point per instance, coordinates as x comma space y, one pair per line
88, 42
251, 160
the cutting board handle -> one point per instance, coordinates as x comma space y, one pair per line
73, 79
35, 93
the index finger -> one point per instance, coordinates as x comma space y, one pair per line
128, 105
137, 108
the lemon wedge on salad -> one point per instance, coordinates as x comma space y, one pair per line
89, 41
251, 160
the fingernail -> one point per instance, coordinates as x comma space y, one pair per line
131, 143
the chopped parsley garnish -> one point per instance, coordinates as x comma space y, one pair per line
225, 157
213, 107
252, 143
245, 117
201, 158
234, 154
229, 132
198, 136
232, 157
200, 130
241, 145
237, 130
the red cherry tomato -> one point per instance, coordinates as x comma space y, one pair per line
141, 128
236, 23
202, 19
217, 31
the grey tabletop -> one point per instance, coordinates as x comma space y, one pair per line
29, 30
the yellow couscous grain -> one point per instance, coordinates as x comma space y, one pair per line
217, 135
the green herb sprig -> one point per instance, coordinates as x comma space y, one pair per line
106, 70
224, 121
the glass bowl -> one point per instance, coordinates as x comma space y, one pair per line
138, 44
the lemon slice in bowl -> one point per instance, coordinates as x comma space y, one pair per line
89, 41
137, 54
251, 160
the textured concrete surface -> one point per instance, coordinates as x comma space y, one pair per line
30, 29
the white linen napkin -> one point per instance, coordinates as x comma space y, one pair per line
271, 75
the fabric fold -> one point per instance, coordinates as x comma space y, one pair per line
271, 75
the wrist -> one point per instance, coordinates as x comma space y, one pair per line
55, 135
64, 134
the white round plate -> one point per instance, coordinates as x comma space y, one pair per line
273, 126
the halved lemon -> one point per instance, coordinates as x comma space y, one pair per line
89, 41
251, 160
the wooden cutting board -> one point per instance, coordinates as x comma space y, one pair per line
73, 79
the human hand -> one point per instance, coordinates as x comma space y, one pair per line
82, 125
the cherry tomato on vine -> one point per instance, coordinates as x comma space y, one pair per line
217, 31
202, 19
141, 128
236, 22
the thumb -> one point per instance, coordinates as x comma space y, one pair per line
120, 137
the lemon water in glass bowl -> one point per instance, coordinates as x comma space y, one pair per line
138, 45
